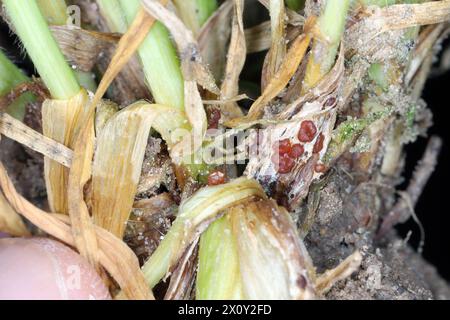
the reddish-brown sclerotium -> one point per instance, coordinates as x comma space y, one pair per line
284, 147
216, 178
285, 164
320, 168
318, 146
44, 269
297, 151
214, 118
307, 132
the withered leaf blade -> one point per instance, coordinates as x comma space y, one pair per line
277, 50
127, 47
80, 172
196, 114
237, 55
10, 222
61, 122
81, 166
259, 37
281, 79
118, 160
21, 133
114, 255
83, 47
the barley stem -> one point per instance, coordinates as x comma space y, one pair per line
35, 35
159, 60
55, 12
113, 15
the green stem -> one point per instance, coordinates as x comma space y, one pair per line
205, 10
55, 12
331, 25
295, 5
35, 35
111, 11
194, 13
10, 77
86, 80
218, 274
160, 61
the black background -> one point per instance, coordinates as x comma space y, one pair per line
433, 208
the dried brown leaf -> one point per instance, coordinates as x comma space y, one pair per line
213, 39
80, 172
259, 37
19, 132
182, 279
118, 161
81, 47
293, 17
83, 150
237, 54
280, 80
277, 51
62, 122
10, 222
114, 255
